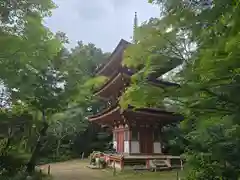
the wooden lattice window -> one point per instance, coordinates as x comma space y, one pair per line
156, 135
135, 134
126, 135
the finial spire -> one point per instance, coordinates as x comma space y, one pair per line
135, 27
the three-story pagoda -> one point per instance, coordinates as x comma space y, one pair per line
136, 132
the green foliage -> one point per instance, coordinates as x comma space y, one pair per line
213, 149
95, 83
157, 49
89, 58
13, 13
145, 91
204, 34
44, 96
24, 176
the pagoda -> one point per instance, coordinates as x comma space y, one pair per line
136, 132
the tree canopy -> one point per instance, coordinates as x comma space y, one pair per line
203, 35
44, 94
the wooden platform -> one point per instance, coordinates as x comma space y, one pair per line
150, 162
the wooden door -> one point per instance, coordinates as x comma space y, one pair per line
120, 141
146, 141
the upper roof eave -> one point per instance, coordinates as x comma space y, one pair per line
123, 43
151, 81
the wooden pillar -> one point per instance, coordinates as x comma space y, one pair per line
130, 140
126, 140
122, 164
148, 163
122, 139
160, 137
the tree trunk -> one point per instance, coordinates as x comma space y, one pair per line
8, 142
58, 146
32, 162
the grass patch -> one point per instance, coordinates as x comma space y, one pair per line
163, 175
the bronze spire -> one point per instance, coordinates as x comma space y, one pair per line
135, 25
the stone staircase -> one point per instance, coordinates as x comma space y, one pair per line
160, 165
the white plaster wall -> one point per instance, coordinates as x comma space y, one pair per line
115, 145
126, 146
135, 147
157, 147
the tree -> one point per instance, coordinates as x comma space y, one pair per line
209, 80
26, 55
40, 76
67, 125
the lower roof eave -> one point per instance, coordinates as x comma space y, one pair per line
142, 114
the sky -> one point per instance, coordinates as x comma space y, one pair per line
102, 22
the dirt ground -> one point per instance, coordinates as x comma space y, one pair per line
77, 170
73, 170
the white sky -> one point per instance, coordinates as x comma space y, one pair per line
102, 22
